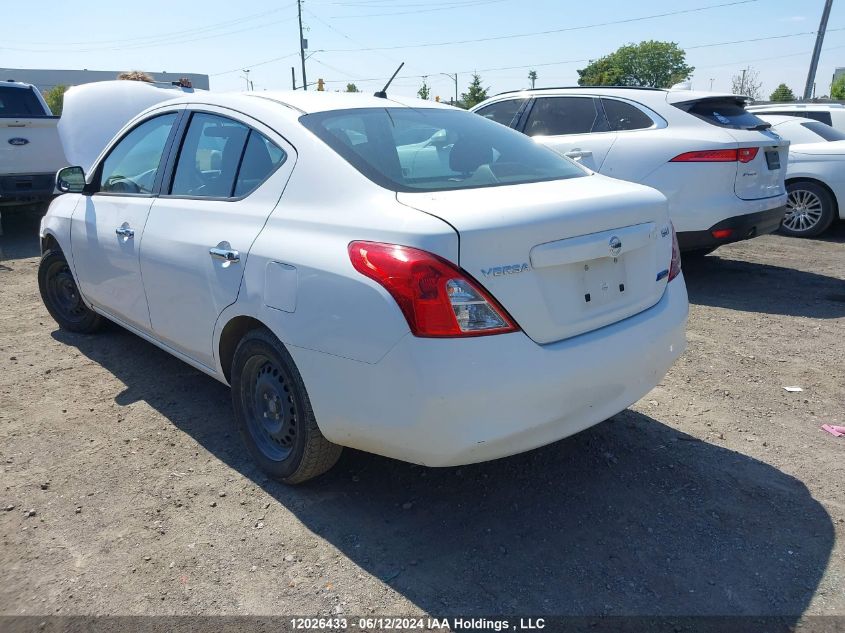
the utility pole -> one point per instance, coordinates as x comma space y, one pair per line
293, 77
301, 45
814, 62
246, 76
453, 76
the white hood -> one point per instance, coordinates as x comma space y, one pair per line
93, 113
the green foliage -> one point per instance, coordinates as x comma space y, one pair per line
532, 77
652, 64
352, 88
475, 94
782, 93
837, 90
425, 91
55, 98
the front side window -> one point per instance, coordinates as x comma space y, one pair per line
553, 116
131, 166
622, 116
464, 151
502, 111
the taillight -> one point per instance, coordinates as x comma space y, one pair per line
743, 155
675, 264
437, 299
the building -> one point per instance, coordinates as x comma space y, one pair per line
838, 73
45, 79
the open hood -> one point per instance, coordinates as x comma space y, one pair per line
93, 113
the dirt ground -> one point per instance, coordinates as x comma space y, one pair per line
126, 489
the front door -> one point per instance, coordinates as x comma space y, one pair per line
108, 224
226, 181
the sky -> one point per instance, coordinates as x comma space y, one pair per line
363, 41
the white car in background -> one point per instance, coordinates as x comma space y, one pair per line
441, 303
721, 169
815, 177
832, 114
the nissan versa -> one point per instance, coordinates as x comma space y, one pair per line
391, 275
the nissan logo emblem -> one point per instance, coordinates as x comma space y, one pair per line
615, 246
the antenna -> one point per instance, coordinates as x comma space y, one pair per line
382, 94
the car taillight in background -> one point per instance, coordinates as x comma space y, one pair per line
675, 263
437, 299
743, 155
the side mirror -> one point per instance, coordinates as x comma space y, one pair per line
439, 139
71, 180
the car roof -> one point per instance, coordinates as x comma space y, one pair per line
11, 83
635, 93
780, 119
813, 107
310, 101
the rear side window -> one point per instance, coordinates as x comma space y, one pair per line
261, 159
825, 131
624, 116
823, 117
502, 111
19, 102
552, 116
722, 112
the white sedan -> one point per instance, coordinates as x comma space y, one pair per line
815, 176
441, 302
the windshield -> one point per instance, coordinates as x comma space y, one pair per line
405, 149
724, 112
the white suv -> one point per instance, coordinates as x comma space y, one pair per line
832, 114
721, 168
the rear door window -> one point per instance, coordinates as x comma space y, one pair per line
825, 131
723, 112
625, 116
554, 116
19, 102
502, 112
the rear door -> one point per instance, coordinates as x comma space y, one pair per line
573, 126
223, 183
108, 225
763, 154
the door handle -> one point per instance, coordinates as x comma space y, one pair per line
226, 254
578, 153
124, 231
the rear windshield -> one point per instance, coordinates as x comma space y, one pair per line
825, 131
19, 102
729, 113
404, 149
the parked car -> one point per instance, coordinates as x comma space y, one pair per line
442, 303
30, 150
815, 176
832, 114
721, 169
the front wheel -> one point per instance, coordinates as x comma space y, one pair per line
273, 412
62, 297
809, 210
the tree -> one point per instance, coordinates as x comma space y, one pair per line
748, 83
475, 94
837, 90
55, 98
352, 88
652, 64
424, 92
532, 77
782, 93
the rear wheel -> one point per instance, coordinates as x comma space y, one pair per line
809, 210
273, 412
62, 297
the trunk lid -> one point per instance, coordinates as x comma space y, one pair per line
563, 257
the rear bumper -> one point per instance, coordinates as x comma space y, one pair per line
25, 188
741, 227
446, 402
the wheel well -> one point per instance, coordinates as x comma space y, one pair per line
790, 181
48, 243
232, 334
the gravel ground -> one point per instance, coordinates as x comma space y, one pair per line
126, 490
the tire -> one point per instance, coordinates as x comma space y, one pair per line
809, 209
273, 412
62, 297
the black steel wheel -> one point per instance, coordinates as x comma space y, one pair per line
61, 295
274, 413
